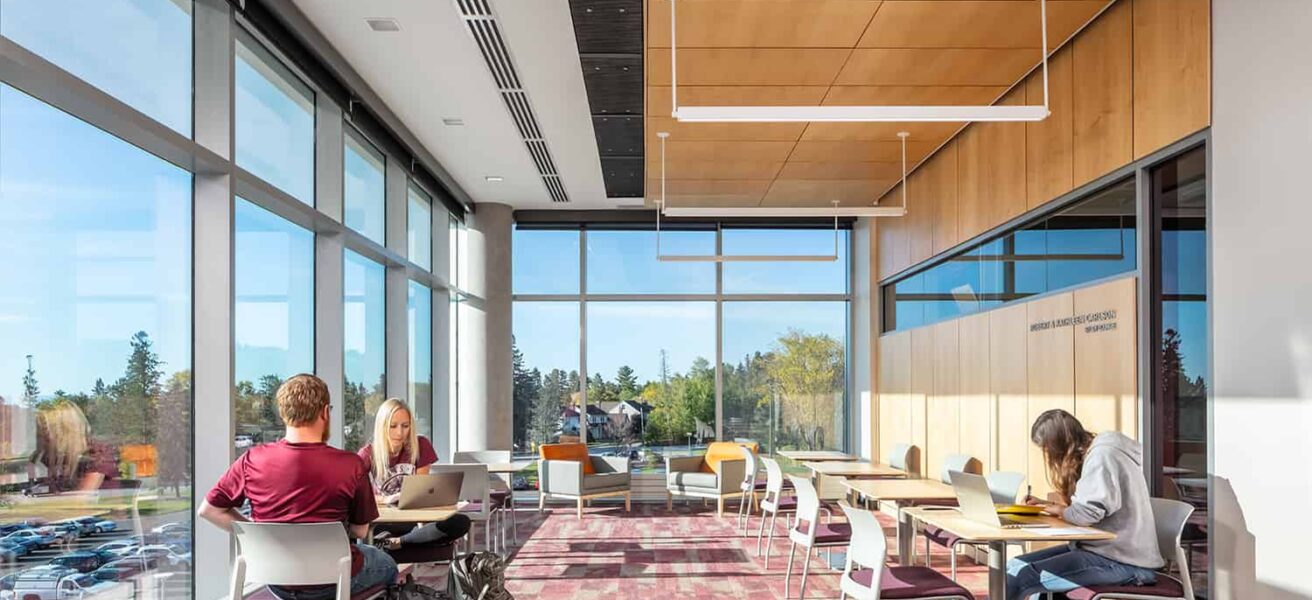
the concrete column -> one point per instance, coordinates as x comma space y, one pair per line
483, 412
865, 334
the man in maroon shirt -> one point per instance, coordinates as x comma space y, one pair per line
301, 479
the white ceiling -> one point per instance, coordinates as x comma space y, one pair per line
431, 70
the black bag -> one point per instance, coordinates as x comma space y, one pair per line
417, 591
478, 576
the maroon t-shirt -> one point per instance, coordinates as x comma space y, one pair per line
299, 483
427, 456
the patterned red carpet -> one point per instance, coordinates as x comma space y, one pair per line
654, 553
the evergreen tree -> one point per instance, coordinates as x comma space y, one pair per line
353, 402
527, 385
174, 444
548, 406
267, 404
30, 388
136, 394
627, 382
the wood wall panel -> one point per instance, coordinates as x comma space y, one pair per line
1106, 373
1172, 71
938, 180
922, 386
895, 390
942, 413
1050, 367
978, 406
1009, 385
1049, 143
895, 251
991, 173
922, 208
1103, 111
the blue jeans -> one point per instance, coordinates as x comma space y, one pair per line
1064, 568
378, 568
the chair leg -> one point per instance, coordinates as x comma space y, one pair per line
514, 526
760, 533
669, 500
952, 555
769, 546
542, 501
628, 506
928, 558
806, 566
792, 549
580, 508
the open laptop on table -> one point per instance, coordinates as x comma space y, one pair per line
430, 491
976, 503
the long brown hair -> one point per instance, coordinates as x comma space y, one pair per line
1064, 442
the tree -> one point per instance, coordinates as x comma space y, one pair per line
174, 444
133, 415
548, 406
266, 397
30, 389
806, 372
353, 401
627, 382
527, 384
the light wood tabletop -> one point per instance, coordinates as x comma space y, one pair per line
901, 489
816, 455
853, 469
952, 521
391, 514
509, 467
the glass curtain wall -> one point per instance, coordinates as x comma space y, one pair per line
365, 332
672, 348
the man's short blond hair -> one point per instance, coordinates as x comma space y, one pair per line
301, 399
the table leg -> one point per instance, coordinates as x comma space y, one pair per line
906, 536
997, 569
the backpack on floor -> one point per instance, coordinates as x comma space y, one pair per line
417, 591
478, 576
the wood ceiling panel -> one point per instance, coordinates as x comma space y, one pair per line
681, 150
818, 151
975, 23
717, 169
723, 131
848, 192
899, 95
750, 66
761, 23
933, 66
658, 96
935, 133
841, 170
709, 192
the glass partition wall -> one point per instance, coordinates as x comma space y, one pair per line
185, 222
646, 359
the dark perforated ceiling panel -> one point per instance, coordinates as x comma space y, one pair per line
609, 34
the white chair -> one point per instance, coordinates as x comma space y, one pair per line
901, 457
474, 490
293, 554
1004, 487
1171, 517
500, 496
866, 577
808, 532
774, 502
748, 488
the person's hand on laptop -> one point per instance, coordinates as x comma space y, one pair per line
392, 499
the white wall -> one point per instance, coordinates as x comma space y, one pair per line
863, 334
1261, 225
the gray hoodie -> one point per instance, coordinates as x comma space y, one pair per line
1112, 495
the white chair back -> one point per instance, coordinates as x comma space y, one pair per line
481, 456
867, 550
292, 554
774, 478
1171, 516
808, 511
954, 462
749, 472
900, 457
473, 487
1005, 486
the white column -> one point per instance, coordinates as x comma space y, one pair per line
865, 330
484, 411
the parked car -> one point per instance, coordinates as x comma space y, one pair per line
243, 441
119, 548
30, 537
41, 583
97, 524
140, 563
9, 528
62, 533
84, 561
162, 553
118, 571
172, 530
15, 548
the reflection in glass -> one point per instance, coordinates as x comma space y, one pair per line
419, 304
1179, 197
149, 70
419, 228
273, 318
273, 121
364, 189
544, 261
800, 277
365, 337
624, 262
95, 318
1091, 240
652, 388
785, 374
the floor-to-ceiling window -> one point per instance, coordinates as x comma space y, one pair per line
419, 304
95, 314
419, 227
364, 188
678, 353
1178, 197
273, 121
365, 337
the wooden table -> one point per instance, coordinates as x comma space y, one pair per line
952, 521
391, 514
816, 455
509, 467
902, 492
854, 470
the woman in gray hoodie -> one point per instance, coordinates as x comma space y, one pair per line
1100, 483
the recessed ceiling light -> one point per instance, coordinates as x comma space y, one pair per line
383, 24
493, 178
453, 122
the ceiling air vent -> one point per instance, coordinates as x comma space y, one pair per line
483, 27
383, 24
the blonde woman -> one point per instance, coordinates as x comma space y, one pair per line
395, 452
62, 444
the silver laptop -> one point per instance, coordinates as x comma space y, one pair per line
430, 490
976, 503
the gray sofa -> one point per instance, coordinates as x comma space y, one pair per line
565, 479
684, 477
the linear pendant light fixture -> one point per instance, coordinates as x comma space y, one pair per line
854, 114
